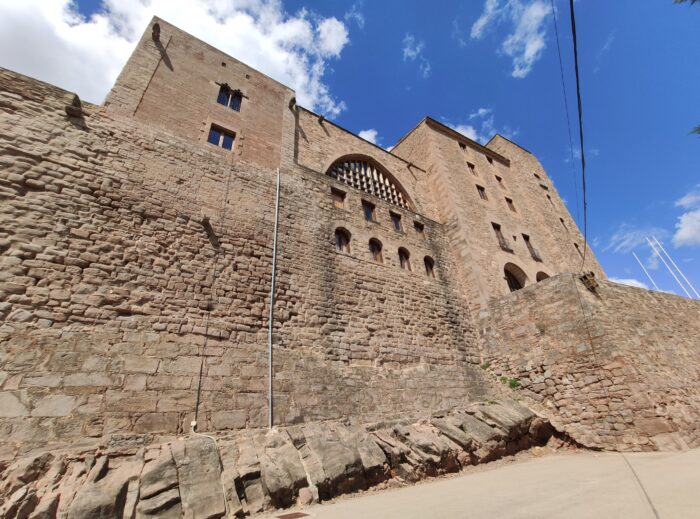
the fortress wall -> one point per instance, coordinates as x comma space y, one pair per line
615, 369
109, 294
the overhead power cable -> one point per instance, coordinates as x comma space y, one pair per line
566, 110
580, 129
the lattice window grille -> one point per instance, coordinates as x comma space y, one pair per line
365, 176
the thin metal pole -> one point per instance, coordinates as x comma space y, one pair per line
669, 268
645, 271
676, 266
272, 306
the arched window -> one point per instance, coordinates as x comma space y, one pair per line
429, 266
514, 276
375, 249
404, 259
541, 276
367, 175
342, 240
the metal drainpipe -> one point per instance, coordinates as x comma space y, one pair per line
272, 306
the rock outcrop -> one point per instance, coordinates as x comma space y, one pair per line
243, 474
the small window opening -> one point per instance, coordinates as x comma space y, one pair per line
544, 187
230, 98
511, 206
220, 137
533, 252
482, 192
462, 146
541, 276
550, 200
342, 240
419, 227
502, 241
499, 180
489, 159
396, 220
338, 197
429, 266
537, 176
472, 168
375, 249
404, 259
369, 210
578, 249
564, 224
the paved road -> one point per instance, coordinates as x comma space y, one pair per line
571, 486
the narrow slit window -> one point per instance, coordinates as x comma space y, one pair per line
502, 241
472, 168
369, 211
342, 240
578, 249
482, 192
563, 224
404, 259
533, 252
396, 221
500, 181
375, 249
429, 266
490, 160
338, 197
550, 200
511, 206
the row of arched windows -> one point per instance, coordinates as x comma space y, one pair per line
342, 243
516, 278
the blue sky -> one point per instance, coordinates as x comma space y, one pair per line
379, 67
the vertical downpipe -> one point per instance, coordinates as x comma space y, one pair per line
272, 306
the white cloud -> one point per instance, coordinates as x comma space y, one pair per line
688, 224
627, 238
369, 135
480, 126
49, 40
413, 51
526, 41
355, 14
629, 282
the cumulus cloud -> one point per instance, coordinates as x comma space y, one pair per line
369, 135
526, 40
688, 224
51, 41
629, 282
413, 51
480, 126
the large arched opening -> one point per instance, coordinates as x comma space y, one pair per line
515, 277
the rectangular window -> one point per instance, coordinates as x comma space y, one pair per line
563, 224
472, 168
338, 197
230, 98
501, 239
544, 187
462, 146
396, 220
550, 200
222, 98
533, 252
236, 99
369, 211
482, 192
499, 180
419, 227
578, 249
509, 201
490, 160
220, 137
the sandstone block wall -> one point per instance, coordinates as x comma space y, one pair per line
615, 369
112, 284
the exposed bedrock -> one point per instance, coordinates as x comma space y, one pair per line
254, 470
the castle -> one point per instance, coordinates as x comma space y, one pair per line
138, 240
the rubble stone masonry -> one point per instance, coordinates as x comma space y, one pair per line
136, 268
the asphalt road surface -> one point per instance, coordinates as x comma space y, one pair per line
572, 486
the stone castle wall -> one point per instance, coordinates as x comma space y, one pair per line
617, 368
109, 288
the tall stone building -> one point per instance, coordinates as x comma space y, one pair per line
137, 269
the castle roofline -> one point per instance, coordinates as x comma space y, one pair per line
408, 163
454, 134
510, 141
